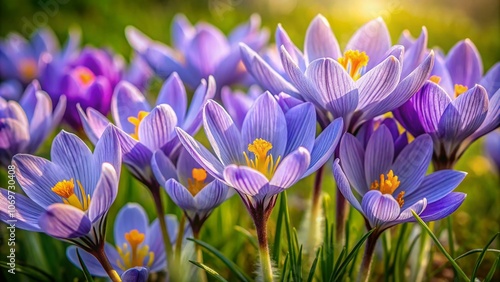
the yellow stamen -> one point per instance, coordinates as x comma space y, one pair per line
136, 121
387, 185
436, 79
84, 75
28, 69
263, 162
132, 254
353, 62
198, 181
66, 190
460, 89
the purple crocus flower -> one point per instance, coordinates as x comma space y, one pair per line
452, 108
269, 154
190, 187
384, 186
24, 126
491, 147
200, 51
68, 197
19, 58
143, 130
367, 80
138, 244
87, 79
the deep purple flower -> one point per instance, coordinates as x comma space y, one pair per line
384, 187
190, 187
87, 79
25, 125
365, 81
143, 130
270, 153
200, 51
138, 244
69, 196
452, 108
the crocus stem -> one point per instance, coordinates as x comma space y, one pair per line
202, 275
100, 255
340, 217
155, 190
366, 264
265, 258
315, 210
180, 235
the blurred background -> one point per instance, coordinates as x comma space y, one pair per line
103, 22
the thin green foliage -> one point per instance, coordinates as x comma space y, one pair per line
86, 273
209, 271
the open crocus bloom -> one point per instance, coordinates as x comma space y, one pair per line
69, 196
367, 80
452, 108
270, 153
385, 187
138, 244
25, 125
143, 129
190, 187
200, 51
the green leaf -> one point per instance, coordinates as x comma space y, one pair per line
313, 266
248, 235
494, 267
32, 272
481, 257
231, 265
86, 272
209, 271
277, 236
440, 247
473, 251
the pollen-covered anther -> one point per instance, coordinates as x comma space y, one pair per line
197, 183
436, 79
400, 199
460, 89
28, 69
135, 121
262, 162
353, 62
386, 185
84, 75
66, 190
131, 254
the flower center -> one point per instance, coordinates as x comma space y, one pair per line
460, 89
66, 190
387, 185
262, 161
132, 254
436, 79
136, 121
197, 183
354, 62
27, 69
84, 75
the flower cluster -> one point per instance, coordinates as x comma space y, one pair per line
382, 112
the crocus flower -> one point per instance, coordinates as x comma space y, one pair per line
452, 108
200, 51
384, 187
138, 244
69, 196
272, 151
367, 80
19, 58
87, 79
25, 125
190, 187
491, 145
143, 130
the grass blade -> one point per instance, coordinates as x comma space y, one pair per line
248, 235
231, 265
476, 251
460, 272
277, 236
209, 271
350, 256
481, 257
494, 267
86, 272
313, 266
